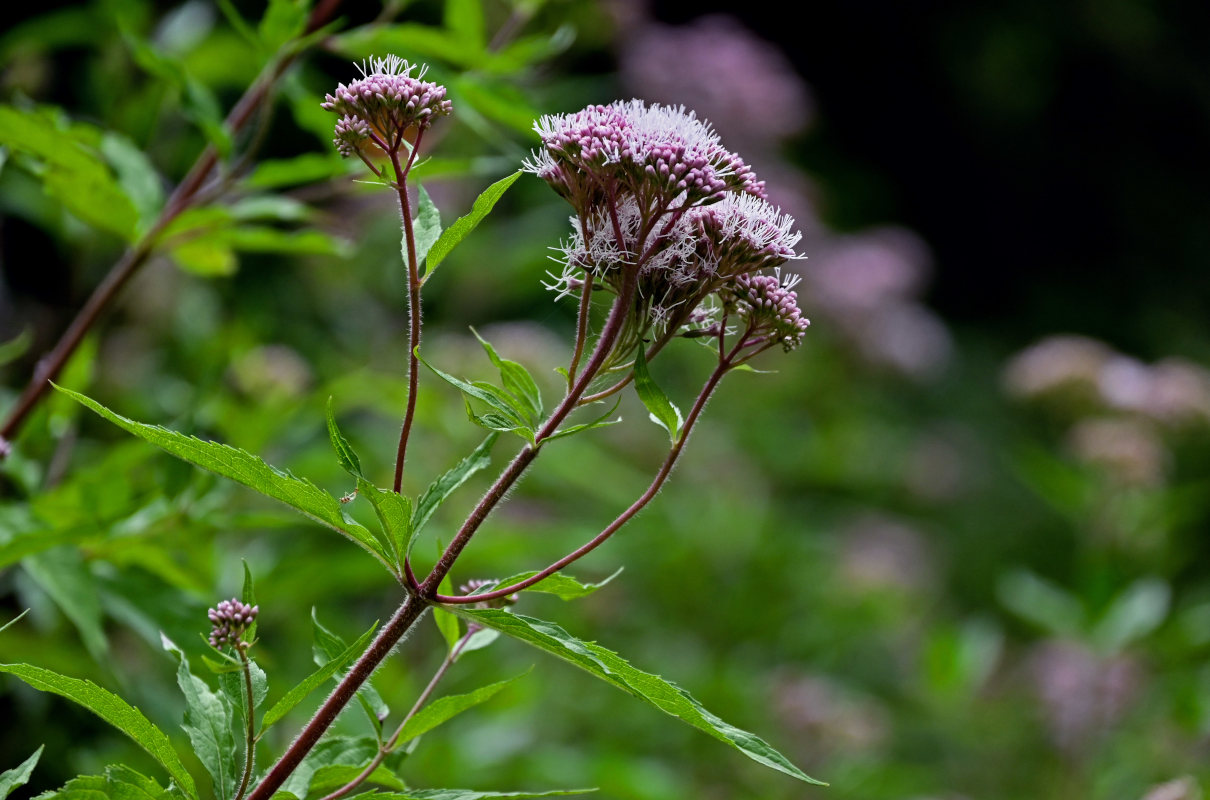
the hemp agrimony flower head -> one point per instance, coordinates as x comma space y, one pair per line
386, 105
770, 306
229, 620
657, 154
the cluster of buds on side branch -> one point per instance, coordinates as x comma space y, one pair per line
229, 621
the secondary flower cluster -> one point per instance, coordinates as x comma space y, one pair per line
663, 206
386, 105
229, 620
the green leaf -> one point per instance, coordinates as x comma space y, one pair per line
247, 469
511, 417
663, 412
271, 207
15, 347
209, 722
443, 487
516, 380
283, 21
208, 257
329, 646
118, 783
18, 776
262, 239
138, 178
331, 750
446, 708
470, 794
63, 575
348, 460
652, 689
463, 226
248, 597
334, 776
1041, 602
424, 41
309, 684
448, 624
112, 709
600, 422
464, 19
1137, 611
306, 168
427, 228
562, 586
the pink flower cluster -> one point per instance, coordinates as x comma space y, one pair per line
229, 620
771, 307
385, 105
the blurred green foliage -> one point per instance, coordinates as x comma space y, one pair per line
911, 586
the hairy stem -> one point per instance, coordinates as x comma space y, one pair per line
184, 196
581, 329
613, 527
250, 730
399, 624
391, 743
409, 235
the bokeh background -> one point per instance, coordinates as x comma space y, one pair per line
953, 547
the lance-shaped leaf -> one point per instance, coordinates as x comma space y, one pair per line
509, 414
309, 684
329, 646
18, 776
114, 710
663, 412
562, 586
427, 228
516, 379
462, 227
613, 669
445, 708
243, 467
444, 486
599, 422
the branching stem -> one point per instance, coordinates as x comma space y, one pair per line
250, 729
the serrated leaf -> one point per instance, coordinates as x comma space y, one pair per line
18, 776
313, 681
209, 723
394, 512
245, 468
118, 783
329, 646
446, 708
562, 586
614, 670
426, 229
663, 412
516, 380
443, 487
463, 226
114, 710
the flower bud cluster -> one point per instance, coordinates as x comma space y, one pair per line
385, 105
770, 305
475, 584
229, 620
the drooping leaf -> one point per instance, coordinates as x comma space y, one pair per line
463, 226
18, 776
112, 709
445, 708
600, 422
443, 487
562, 586
247, 469
210, 724
663, 412
313, 681
330, 646
652, 689
516, 380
